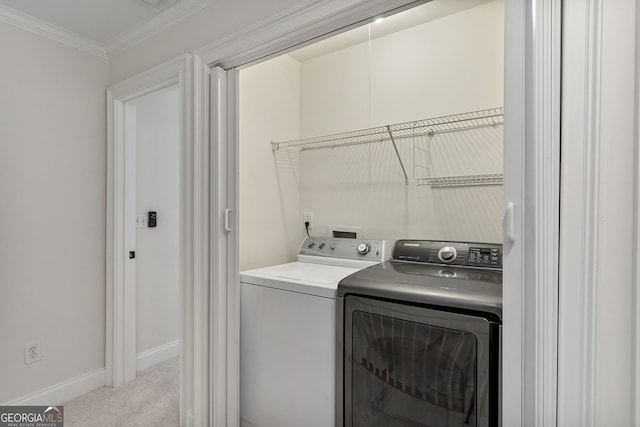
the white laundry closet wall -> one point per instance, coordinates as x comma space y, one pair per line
270, 229
450, 65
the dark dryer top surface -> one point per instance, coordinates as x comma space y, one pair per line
445, 284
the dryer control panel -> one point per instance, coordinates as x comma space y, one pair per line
486, 255
332, 247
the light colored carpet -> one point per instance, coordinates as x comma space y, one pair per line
152, 399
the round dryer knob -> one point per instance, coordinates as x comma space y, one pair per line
363, 248
447, 253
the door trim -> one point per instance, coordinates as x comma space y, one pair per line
580, 220
120, 355
636, 239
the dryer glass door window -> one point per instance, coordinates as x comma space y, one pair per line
411, 374
414, 366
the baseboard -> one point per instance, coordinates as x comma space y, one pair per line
159, 354
63, 391
74, 387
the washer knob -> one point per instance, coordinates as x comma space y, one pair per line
447, 253
363, 248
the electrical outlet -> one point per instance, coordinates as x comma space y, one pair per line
308, 217
32, 352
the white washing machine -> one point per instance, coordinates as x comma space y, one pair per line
288, 332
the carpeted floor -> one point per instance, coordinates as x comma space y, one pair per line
152, 399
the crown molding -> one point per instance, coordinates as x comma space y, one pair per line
160, 5
113, 47
53, 32
155, 25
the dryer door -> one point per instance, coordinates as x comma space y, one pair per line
414, 366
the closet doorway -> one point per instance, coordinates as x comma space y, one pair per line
149, 280
524, 48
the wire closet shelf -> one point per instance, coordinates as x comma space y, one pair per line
468, 121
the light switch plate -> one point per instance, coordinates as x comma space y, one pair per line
141, 220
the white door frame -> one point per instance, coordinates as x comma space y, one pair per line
532, 52
599, 329
120, 357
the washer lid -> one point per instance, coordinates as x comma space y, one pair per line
456, 287
307, 278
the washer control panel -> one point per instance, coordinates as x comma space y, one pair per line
486, 255
363, 249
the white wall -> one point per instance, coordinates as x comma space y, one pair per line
450, 65
52, 211
270, 220
158, 249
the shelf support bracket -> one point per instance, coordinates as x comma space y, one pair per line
395, 147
